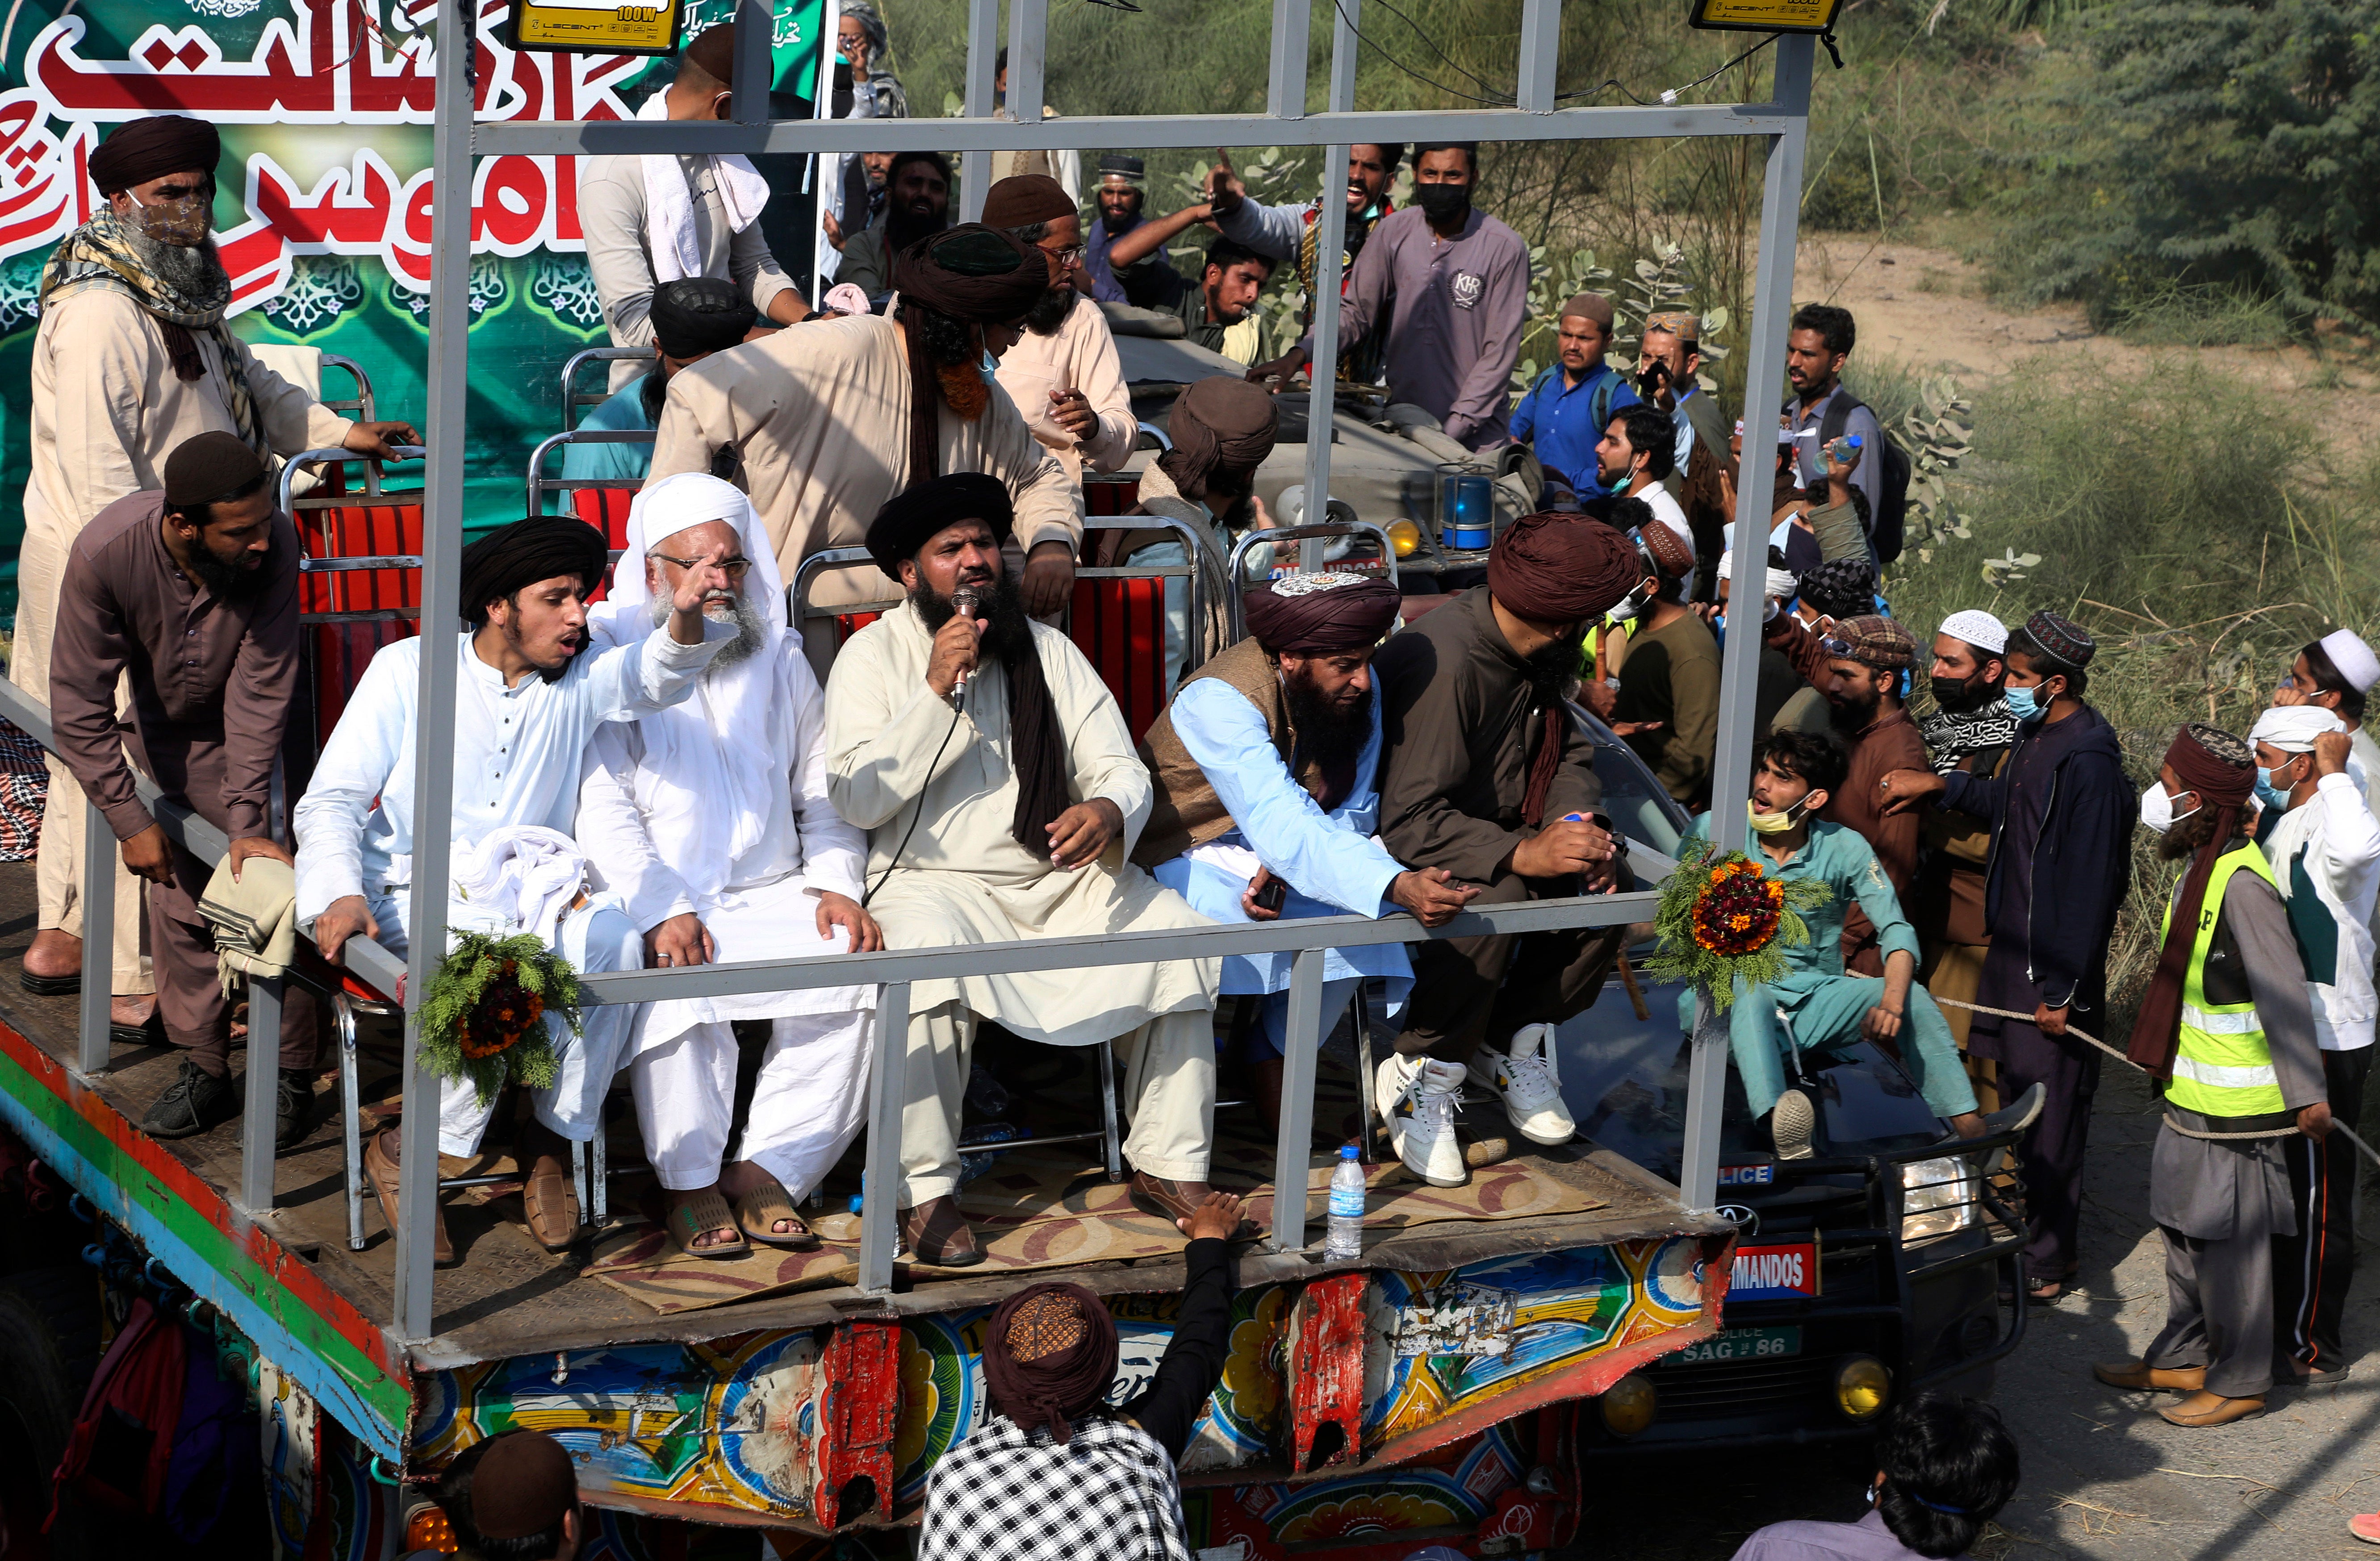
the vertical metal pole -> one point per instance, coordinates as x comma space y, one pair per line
441, 548
1540, 53
880, 1214
1294, 1150
1329, 257
1772, 304
98, 938
829, 168
1285, 97
1028, 28
259, 1119
983, 69
756, 62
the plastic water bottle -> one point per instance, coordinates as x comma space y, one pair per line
1344, 1239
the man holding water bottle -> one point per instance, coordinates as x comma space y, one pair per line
1816, 346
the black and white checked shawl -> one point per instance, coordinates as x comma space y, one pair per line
1109, 1493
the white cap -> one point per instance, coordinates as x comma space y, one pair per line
2353, 658
1977, 628
2293, 728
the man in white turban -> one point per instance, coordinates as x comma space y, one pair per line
2324, 850
711, 820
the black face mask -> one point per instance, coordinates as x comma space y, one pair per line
1442, 203
1958, 696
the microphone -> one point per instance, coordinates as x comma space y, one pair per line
964, 601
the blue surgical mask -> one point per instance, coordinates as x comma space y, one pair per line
2020, 702
991, 364
2269, 792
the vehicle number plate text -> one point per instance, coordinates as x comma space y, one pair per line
1742, 1344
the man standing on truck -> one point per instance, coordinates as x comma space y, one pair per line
2228, 1026
527, 702
959, 735
1486, 776
2061, 814
193, 591
1267, 797
1288, 232
133, 357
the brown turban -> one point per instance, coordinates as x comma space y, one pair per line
975, 274
1555, 568
2222, 771
518, 555
1025, 199
1223, 424
524, 1485
1050, 1356
1590, 306
1321, 614
209, 467
152, 148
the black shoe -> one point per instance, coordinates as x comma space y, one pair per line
194, 1101
292, 1112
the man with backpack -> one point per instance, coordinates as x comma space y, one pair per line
1823, 410
1566, 412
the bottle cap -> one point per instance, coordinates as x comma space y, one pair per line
1347, 1151
854, 1203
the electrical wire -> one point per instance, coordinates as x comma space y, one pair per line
1505, 102
1674, 93
1482, 82
931, 765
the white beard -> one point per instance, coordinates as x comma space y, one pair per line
750, 629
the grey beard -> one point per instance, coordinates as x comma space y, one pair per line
190, 270
751, 630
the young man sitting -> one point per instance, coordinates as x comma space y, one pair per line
1823, 1008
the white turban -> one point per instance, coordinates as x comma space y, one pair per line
715, 791
2293, 728
1977, 628
2353, 658
1780, 583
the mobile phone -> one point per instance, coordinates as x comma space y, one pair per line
1273, 895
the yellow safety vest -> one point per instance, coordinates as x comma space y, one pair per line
2223, 1066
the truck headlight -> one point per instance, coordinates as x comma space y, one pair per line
1937, 1198
1863, 1387
1629, 1405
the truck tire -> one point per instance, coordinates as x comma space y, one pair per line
49, 1346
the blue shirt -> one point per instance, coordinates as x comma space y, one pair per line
1565, 423
614, 465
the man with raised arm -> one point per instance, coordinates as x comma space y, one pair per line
529, 697
711, 820
999, 787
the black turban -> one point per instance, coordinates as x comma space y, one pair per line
977, 275
521, 554
695, 315
209, 467
1320, 614
1562, 568
1222, 423
910, 518
152, 148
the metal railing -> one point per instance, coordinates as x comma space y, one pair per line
574, 400
540, 485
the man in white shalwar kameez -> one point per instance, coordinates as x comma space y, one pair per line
711, 821
1004, 809
530, 692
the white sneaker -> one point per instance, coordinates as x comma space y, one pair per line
1416, 1096
1528, 1080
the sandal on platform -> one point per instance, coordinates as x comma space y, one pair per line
706, 1211
550, 1202
757, 1213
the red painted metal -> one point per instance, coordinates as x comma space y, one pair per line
859, 1413
1326, 1369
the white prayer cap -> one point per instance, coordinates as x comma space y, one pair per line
1977, 628
2353, 658
2293, 728
1778, 583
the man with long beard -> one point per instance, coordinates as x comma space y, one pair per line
194, 592
1970, 729
823, 425
1487, 776
960, 741
711, 820
1267, 772
1063, 373
133, 358
916, 205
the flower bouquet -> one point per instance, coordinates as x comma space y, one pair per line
1722, 919
483, 1017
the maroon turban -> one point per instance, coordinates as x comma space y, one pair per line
1321, 614
152, 148
524, 1484
1220, 424
1048, 1357
1555, 568
2222, 771
975, 274
1022, 200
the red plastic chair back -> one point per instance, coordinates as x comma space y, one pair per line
606, 509
359, 529
1110, 495
1120, 624
850, 624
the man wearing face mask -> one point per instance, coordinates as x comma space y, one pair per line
1448, 288
1666, 704
2061, 814
1824, 1006
2228, 1027
133, 359
1969, 729
2337, 672
2324, 845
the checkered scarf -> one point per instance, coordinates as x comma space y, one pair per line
1007, 1494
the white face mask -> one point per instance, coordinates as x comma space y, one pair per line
2157, 808
1631, 605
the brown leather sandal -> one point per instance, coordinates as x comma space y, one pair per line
757, 1212
939, 1234
551, 1202
381, 1166
705, 1212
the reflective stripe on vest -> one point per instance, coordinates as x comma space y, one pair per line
2222, 1067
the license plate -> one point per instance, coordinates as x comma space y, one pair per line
1777, 1272
1742, 1344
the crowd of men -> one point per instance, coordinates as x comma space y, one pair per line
654, 768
